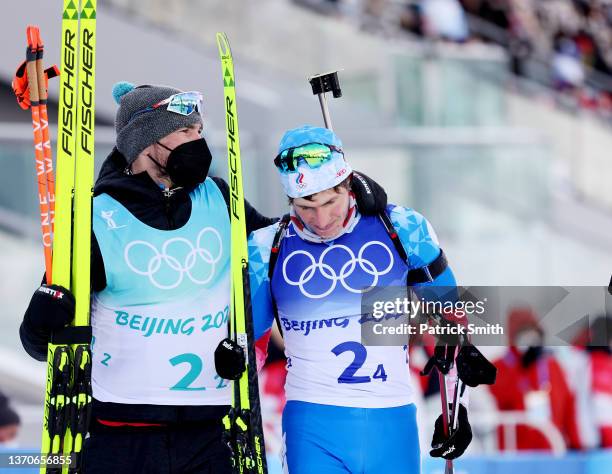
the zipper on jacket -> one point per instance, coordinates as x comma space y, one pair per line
168, 193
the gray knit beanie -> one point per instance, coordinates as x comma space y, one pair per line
136, 132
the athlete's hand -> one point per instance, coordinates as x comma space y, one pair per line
370, 196
229, 360
51, 308
474, 368
453, 446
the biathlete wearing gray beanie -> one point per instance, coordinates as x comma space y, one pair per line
139, 124
147, 114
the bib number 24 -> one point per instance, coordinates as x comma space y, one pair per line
360, 355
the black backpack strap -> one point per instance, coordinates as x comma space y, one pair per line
384, 217
415, 275
274, 251
428, 272
276, 243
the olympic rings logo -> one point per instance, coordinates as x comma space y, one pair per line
164, 257
346, 270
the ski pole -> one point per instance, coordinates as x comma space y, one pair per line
43, 200
322, 83
445, 417
456, 399
459, 386
44, 121
443, 360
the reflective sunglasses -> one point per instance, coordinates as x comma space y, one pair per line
183, 103
314, 154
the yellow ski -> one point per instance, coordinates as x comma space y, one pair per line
243, 427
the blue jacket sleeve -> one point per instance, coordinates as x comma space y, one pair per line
420, 241
260, 244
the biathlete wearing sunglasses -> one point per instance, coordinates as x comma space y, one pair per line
161, 293
350, 408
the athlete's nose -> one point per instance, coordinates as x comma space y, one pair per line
322, 218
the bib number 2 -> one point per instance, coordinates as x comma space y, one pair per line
195, 369
361, 354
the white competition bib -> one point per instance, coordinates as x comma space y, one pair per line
165, 307
317, 288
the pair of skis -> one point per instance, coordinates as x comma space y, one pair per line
66, 226
67, 243
243, 427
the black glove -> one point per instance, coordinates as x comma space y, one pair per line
371, 198
454, 446
442, 359
229, 360
473, 368
51, 308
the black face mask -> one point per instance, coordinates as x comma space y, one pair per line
531, 355
187, 164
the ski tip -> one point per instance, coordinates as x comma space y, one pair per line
223, 44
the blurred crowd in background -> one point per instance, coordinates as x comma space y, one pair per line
570, 387
565, 44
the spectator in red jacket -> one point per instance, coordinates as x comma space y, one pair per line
598, 346
530, 380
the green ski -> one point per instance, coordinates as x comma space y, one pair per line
243, 427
